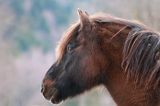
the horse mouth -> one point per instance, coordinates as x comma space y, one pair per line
53, 95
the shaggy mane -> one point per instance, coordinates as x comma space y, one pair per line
141, 59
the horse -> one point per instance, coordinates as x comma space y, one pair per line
120, 54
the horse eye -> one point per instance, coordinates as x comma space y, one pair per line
69, 47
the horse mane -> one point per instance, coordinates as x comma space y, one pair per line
141, 52
141, 57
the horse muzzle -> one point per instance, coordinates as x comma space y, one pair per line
50, 92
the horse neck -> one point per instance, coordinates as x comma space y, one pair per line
122, 91
114, 39
114, 36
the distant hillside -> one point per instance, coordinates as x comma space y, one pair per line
36, 22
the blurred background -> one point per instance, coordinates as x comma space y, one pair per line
29, 32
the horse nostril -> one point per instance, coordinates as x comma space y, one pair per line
46, 85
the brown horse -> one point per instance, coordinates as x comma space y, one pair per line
122, 55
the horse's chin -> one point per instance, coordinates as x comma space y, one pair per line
53, 95
55, 99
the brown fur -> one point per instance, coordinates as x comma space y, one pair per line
110, 51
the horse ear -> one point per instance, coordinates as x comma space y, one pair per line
84, 19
